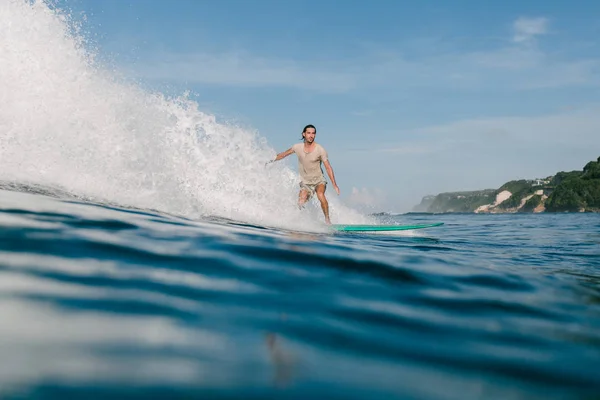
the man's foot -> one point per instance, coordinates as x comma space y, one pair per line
327, 221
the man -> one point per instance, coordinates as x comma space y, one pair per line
310, 156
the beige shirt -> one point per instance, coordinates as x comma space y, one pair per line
309, 164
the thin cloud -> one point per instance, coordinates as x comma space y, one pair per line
505, 147
513, 67
363, 113
526, 29
246, 70
406, 149
512, 58
505, 68
485, 153
552, 129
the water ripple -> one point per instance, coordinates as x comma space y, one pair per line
102, 301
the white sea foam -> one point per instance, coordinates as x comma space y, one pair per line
68, 122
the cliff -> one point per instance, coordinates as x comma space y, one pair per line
574, 191
461, 201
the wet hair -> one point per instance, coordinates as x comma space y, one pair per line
306, 127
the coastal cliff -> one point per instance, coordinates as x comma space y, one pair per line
574, 191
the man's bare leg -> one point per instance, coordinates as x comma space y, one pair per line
324, 205
302, 198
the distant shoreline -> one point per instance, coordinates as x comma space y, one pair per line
564, 192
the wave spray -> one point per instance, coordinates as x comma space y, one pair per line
68, 123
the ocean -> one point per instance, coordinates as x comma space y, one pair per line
146, 251
100, 301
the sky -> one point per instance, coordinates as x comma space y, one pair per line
409, 98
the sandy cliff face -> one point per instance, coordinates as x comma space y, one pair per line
500, 197
541, 207
505, 195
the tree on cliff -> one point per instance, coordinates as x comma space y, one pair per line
591, 170
576, 190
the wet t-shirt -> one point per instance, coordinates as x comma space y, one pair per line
309, 164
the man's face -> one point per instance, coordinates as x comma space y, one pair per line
310, 134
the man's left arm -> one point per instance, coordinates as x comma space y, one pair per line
331, 175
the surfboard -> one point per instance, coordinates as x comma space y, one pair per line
381, 228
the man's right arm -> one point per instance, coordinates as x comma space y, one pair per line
284, 154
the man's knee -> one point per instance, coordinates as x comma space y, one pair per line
303, 197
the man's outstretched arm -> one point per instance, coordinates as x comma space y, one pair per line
282, 155
331, 175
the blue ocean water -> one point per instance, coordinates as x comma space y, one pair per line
102, 301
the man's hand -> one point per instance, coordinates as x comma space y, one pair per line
337, 189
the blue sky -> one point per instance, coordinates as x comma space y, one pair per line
409, 98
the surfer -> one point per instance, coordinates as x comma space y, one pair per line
310, 157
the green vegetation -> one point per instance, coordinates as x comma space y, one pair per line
564, 176
571, 191
576, 190
516, 186
521, 189
461, 201
532, 203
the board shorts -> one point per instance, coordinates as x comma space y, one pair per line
311, 187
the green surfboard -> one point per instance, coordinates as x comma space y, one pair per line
381, 228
